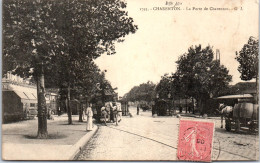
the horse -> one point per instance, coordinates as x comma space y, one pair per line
224, 112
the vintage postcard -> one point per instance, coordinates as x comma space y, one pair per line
130, 80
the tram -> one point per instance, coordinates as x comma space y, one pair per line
97, 112
97, 104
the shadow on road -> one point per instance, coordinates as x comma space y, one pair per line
50, 136
233, 132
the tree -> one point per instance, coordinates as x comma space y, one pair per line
143, 92
248, 60
199, 76
164, 87
86, 84
85, 74
29, 38
40, 36
103, 25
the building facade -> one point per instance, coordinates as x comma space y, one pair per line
20, 98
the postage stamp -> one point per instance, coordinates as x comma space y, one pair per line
195, 140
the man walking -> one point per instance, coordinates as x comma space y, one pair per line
138, 107
111, 112
119, 112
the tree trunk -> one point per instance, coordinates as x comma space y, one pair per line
81, 113
68, 107
257, 91
174, 107
193, 109
186, 105
257, 94
42, 108
201, 107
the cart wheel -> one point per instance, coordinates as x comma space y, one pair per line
237, 125
252, 127
228, 125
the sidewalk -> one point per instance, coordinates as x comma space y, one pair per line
65, 141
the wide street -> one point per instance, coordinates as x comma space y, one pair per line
143, 137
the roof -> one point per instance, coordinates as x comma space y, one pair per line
245, 88
235, 96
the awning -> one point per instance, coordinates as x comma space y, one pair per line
21, 95
26, 95
235, 96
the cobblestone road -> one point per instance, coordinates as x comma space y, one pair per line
145, 138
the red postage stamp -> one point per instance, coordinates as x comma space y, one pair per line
195, 140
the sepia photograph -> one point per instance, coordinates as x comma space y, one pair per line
130, 80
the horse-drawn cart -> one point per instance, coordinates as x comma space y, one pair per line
244, 114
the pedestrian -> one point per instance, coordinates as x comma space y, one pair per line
49, 115
115, 114
59, 111
104, 113
180, 109
26, 111
189, 108
89, 114
119, 112
138, 107
111, 112
83, 111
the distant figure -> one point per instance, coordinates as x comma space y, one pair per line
138, 108
180, 109
153, 110
189, 109
83, 112
119, 112
49, 115
59, 111
111, 112
89, 114
26, 111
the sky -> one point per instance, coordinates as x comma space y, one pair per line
164, 35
